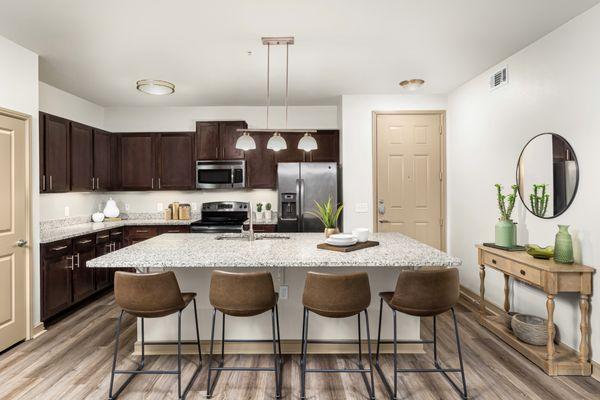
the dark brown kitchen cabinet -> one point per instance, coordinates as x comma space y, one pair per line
261, 164
292, 153
83, 284
102, 275
56, 264
138, 161
54, 154
215, 140
102, 160
173, 229
136, 234
175, 161
82, 157
328, 143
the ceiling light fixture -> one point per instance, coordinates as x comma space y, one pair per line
412, 84
155, 86
245, 142
277, 142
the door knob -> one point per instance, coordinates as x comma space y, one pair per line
22, 243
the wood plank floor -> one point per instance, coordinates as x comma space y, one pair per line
73, 359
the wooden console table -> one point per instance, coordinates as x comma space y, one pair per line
552, 278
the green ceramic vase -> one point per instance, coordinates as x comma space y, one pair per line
563, 246
506, 233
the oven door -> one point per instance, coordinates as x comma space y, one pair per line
220, 174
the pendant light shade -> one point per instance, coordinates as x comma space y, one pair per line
245, 142
276, 142
307, 143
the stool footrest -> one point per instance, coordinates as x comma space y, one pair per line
339, 370
407, 341
148, 372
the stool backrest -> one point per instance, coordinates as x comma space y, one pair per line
242, 291
147, 293
429, 291
337, 293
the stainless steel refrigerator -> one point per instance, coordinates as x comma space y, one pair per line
299, 185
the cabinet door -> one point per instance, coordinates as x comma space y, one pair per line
261, 166
42, 150
207, 140
176, 164
56, 284
56, 154
292, 153
138, 161
228, 135
102, 275
115, 161
82, 157
102, 160
328, 147
83, 277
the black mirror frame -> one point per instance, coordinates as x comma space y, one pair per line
576, 182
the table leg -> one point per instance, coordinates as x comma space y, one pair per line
584, 306
506, 294
482, 291
550, 308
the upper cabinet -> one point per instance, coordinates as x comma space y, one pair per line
216, 140
54, 154
175, 161
261, 164
137, 161
102, 160
292, 153
82, 157
328, 143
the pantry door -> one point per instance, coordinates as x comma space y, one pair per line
14, 219
409, 175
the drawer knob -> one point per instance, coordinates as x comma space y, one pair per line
522, 272
493, 261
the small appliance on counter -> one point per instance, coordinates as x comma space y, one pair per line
221, 217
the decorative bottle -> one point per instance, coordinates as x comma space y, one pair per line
563, 246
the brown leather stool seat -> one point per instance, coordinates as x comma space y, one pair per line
244, 294
427, 292
336, 296
152, 296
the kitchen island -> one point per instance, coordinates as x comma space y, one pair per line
288, 256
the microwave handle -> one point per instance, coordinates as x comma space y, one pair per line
232, 177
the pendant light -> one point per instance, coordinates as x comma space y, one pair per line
277, 142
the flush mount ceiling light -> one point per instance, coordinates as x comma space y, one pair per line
155, 87
277, 142
412, 84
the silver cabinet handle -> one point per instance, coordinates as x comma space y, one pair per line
78, 263
142, 230
216, 152
43, 183
84, 241
58, 248
152, 183
72, 260
93, 181
21, 242
102, 237
115, 233
97, 183
50, 182
159, 183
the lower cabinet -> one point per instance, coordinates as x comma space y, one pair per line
83, 282
57, 261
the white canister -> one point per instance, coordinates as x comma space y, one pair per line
97, 217
361, 234
111, 210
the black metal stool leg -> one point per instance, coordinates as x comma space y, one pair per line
114, 364
435, 357
198, 335
304, 356
379, 330
276, 363
223, 339
179, 354
372, 388
210, 355
395, 357
359, 342
460, 359
278, 332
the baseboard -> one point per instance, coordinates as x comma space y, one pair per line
37, 330
287, 347
596, 371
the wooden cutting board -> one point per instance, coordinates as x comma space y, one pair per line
347, 249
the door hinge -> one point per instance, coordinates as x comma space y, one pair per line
441, 176
441, 221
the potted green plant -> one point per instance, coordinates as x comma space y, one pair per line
259, 212
506, 230
268, 212
539, 200
328, 215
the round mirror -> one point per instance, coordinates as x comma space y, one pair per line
547, 175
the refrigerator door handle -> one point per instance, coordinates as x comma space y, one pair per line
302, 203
298, 205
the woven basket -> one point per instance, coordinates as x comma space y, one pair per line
531, 329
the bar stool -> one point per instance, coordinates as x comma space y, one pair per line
245, 294
423, 293
336, 296
152, 296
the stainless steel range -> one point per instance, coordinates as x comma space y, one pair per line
221, 217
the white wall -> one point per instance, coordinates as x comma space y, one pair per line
19, 92
553, 87
357, 146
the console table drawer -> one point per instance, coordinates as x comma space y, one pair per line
526, 274
497, 262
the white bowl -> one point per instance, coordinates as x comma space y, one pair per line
341, 243
361, 234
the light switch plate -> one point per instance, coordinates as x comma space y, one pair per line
67, 211
361, 207
283, 292
159, 206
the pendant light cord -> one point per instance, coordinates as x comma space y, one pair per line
268, 82
287, 56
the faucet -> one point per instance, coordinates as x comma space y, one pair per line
251, 223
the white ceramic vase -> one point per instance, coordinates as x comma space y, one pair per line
97, 217
111, 210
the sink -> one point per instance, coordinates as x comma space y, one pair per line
257, 236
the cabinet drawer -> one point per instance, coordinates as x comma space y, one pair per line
526, 273
57, 249
102, 237
173, 229
141, 231
84, 243
497, 262
116, 234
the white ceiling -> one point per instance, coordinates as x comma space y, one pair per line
99, 49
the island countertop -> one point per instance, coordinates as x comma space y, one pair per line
197, 250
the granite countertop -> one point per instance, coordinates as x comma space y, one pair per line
196, 250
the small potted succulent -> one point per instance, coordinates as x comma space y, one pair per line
539, 200
268, 212
506, 229
328, 215
259, 212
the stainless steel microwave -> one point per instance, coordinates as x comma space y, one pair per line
221, 174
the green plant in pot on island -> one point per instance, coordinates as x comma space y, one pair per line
328, 215
506, 229
539, 200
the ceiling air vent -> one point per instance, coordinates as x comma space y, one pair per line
499, 78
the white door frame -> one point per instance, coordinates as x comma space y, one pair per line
442, 114
28, 230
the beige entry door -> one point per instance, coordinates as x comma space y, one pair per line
409, 176
13, 229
